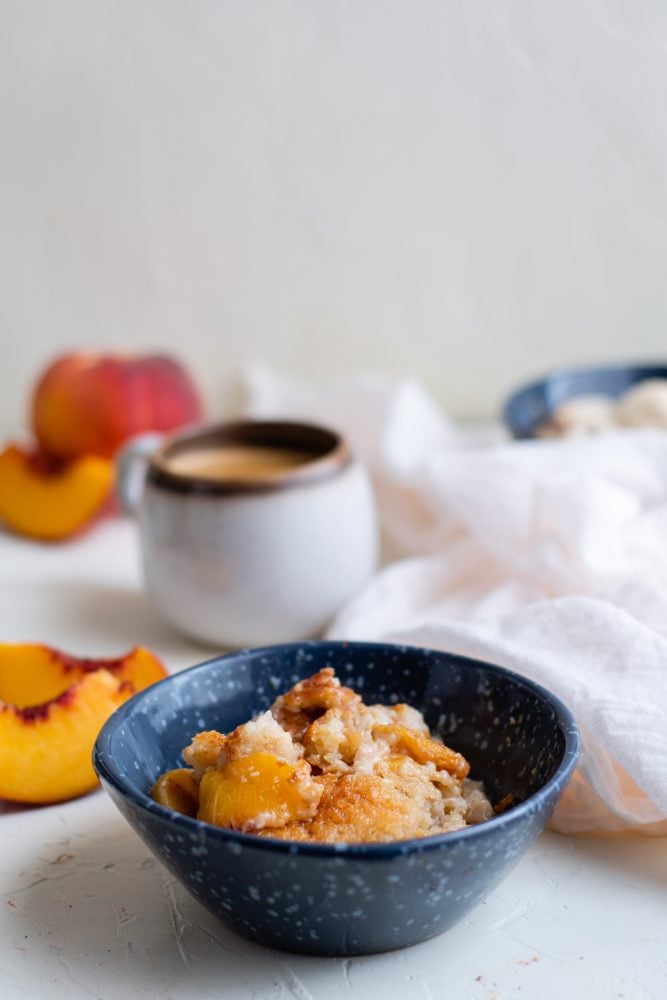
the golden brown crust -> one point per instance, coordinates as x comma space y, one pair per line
204, 751
424, 749
311, 698
362, 808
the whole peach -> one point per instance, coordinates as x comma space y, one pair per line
92, 403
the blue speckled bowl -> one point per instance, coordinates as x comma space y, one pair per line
344, 899
534, 404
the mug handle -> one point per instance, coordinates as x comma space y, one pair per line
131, 465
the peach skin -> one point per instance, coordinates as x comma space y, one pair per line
92, 403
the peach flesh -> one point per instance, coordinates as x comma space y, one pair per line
51, 708
48, 500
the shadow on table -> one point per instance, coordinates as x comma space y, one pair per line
11, 808
633, 860
97, 910
107, 617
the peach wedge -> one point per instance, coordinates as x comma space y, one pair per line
52, 707
50, 503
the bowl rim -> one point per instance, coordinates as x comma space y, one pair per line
103, 762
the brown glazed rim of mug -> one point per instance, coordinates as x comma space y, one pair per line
331, 455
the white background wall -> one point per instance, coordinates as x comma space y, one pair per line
467, 190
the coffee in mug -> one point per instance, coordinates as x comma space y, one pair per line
238, 462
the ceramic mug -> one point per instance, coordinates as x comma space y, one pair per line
252, 532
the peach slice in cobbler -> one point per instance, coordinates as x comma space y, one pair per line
258, 791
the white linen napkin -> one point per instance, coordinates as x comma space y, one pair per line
548, 557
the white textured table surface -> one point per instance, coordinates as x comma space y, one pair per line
85, 910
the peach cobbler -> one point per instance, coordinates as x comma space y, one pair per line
321, 766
